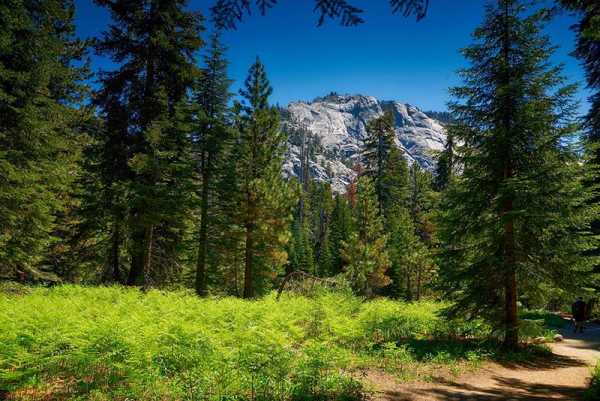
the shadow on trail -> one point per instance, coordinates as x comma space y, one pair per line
507, 390
531, 358
494, 387
544, 362
559, 371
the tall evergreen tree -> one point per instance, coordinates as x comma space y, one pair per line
410, 230
228, 218
365, 253
154, 44
341, 229
102, 230
320, 217
301, 250
411, 261
378, 145
588, 51
41, 108
445, 167
421, 201
514, 214
212, 97
395, 182
265, 199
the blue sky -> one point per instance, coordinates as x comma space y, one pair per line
389, 56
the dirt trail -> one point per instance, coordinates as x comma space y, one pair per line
563, 377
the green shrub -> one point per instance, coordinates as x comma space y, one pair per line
593, 392
540, 323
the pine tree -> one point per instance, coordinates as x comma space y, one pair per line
446, 160
411, 231
421, 201
378, 145
365, 253
102, 229
320, 216
301, 252
341, 229
412, 264
211, 96
228, 246
145, 98
515, 213
41, 108
588, 51
395, 182
265, 199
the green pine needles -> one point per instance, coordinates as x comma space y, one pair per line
41, 115
517, 213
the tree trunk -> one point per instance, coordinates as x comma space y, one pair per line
115, 256
511, 334
136, 270
511, 319
203, 235
147, 260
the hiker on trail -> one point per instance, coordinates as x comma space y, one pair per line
578, 311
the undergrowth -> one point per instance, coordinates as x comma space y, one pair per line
540, 323
593, 392
111, 343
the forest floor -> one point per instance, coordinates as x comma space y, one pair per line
562, 376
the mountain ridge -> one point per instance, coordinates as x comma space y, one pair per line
333, 128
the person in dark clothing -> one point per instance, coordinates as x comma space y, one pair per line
578, 312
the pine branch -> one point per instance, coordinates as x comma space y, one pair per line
227, 13
410, 7
338, 9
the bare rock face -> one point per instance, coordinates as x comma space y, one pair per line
337, 125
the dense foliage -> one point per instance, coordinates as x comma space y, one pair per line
42, 122
74, 343
516, 214
588, 51
593, 392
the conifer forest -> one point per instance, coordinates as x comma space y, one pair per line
170, 232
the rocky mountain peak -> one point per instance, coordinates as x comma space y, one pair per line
333, 129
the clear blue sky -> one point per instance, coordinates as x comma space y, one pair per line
389, 56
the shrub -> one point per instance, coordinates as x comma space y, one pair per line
593, 392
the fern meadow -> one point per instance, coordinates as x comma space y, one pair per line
111, 343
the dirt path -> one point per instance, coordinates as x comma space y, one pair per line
562, 377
